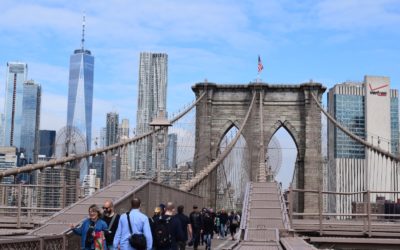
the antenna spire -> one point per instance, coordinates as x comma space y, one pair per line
83, 32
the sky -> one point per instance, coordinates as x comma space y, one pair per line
298, 40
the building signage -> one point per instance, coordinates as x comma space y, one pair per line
376, 91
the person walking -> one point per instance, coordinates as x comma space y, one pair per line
186, 228
196, 224
223, 219
208, 227
91, 229
167, 230
233, 224
139, 224
112, 219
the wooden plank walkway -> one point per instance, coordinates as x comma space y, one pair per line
265, 221
296, 243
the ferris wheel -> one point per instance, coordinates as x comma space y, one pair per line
69, 141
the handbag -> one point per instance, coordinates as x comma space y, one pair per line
137, 241
99, 241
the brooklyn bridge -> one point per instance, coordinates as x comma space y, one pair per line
272, 218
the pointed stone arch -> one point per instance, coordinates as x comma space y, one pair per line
288, 106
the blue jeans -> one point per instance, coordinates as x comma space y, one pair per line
222, 230
207, 239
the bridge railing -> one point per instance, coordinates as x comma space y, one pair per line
367, 211
24, 206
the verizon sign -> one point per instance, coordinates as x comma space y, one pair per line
378, 90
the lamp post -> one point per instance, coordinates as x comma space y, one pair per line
160, 123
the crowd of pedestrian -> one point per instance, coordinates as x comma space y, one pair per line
168, 229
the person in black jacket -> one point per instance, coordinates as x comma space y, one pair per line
112, 219
196, 224
223, 219
186, 227
208, 228
167, 230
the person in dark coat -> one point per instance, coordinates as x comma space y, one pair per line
174, 228
196, 224
233, 224
186, 228
208, 228
223, 219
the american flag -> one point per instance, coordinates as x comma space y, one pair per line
260, 65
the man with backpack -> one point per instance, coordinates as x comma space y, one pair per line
167, 230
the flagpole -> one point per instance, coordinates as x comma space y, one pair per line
259, 69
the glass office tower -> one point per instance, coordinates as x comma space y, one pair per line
368, 109
31, 121
80, 97
16, 76
80, 93
47, 142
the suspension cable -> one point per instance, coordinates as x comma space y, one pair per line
63, 160
355, 137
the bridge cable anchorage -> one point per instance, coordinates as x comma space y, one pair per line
355, 137
189, 185
63, 160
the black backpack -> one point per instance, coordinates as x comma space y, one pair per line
195, 219
161, 232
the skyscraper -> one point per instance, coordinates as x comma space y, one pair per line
31, 121
171, 150
47, 142
112, 128
80, 91
370, 110
125, 171
152, 97
16, 76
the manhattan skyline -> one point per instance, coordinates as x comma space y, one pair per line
329, 42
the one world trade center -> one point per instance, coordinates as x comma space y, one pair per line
80, 97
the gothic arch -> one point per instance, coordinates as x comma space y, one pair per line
292, 131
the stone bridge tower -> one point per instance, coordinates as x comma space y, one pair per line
288, 106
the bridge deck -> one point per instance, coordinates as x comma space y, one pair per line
295, 243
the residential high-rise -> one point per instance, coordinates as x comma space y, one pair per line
16, 76
370, 110
80, 91
29, 144
112, 128
152, 97
47, 142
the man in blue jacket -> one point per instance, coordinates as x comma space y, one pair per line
140, 225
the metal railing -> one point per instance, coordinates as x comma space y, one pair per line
24, 206
361, 214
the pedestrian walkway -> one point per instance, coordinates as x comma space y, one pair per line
221, 244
